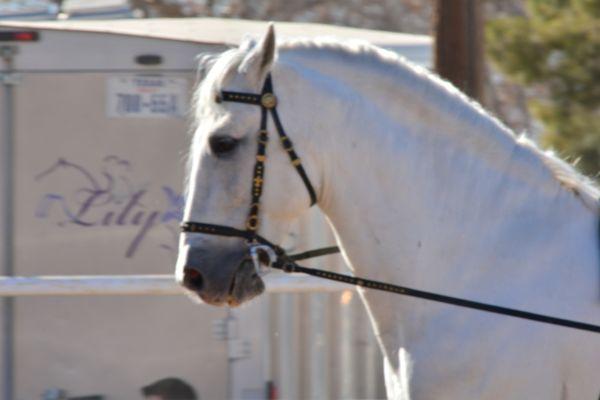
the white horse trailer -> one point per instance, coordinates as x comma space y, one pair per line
94, 133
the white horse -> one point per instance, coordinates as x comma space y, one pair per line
422, 188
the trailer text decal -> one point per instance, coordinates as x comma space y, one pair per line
110, 197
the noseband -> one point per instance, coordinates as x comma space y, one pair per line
277, 258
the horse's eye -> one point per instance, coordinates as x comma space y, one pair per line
222, 145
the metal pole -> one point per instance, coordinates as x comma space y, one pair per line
7, 78
288, 346
267, 369
318, 347
372, 358
230, 321
316, 233
347, 346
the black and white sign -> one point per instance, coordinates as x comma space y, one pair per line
146, 97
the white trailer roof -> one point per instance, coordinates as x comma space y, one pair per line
220, 30
217, 31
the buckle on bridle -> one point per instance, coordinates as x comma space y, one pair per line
255, 255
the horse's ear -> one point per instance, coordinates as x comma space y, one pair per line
205, 63
258, 62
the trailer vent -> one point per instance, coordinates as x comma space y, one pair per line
148, 59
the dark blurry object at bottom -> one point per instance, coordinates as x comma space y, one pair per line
169, 389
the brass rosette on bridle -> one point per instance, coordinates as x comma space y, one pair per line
268, 100
252, 223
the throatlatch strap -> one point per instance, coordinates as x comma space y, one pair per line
315, 253
288, 146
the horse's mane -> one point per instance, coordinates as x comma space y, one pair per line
419, 80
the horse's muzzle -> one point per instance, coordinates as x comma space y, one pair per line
220, 276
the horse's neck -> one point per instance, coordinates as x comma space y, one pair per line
423, 199
445, 207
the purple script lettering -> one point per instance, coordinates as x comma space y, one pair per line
108, 198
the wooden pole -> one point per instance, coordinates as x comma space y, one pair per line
459, 44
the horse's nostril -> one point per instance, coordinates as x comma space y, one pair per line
192, 279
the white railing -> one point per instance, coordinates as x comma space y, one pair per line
109, 285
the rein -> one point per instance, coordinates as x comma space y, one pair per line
260, 248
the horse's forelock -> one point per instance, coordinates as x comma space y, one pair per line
214, 70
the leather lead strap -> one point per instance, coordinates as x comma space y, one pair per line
287, 264
291, 266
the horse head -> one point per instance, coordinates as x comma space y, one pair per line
223, 177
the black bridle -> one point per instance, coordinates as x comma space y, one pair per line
257, 244
261, 249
